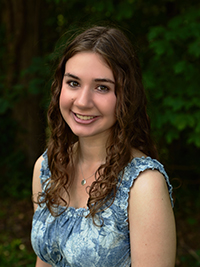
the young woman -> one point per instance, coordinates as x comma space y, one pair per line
100, 196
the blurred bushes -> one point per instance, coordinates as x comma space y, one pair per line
15, 254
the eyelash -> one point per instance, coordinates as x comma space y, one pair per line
100, 88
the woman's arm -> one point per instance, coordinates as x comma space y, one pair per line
36, 188
40, 263
151, 222
36, 183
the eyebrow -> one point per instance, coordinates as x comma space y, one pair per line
96, 80
104, 80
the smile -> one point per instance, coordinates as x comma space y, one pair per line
82, 117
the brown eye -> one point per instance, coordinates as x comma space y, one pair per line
102, 88
73, 84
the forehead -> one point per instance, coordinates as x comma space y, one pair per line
89, 63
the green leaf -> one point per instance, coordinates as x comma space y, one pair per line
155, 32
181, 121
175, 22
149, 81
170, 35
171, 135
194, 48
180, 67
194, 138
176, 103
158, 47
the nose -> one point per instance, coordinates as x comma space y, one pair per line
84, 98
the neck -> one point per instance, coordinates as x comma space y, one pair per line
91, 152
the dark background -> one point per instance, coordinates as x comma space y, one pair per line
166, 35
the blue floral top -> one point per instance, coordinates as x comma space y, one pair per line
73, 240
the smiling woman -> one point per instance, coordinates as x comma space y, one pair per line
87, 103
100, 196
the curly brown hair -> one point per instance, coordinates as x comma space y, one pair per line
131, 130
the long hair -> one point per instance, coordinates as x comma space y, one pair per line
131, 130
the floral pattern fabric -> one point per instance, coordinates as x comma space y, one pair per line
71, 240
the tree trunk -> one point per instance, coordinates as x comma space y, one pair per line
23, 30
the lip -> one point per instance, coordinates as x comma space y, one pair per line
84, 121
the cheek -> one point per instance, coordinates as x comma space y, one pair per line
108, 107
64, 100
112, 105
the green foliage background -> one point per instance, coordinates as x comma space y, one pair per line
166, 35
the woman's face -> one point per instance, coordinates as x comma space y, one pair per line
87, 99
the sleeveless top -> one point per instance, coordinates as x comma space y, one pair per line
73, 240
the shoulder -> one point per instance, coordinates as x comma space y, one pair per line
139, 165
36, 183
149, 183
38, 164
136, 153
37, 169
149, 174
144, 173
142, 162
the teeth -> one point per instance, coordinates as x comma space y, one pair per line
84, 117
